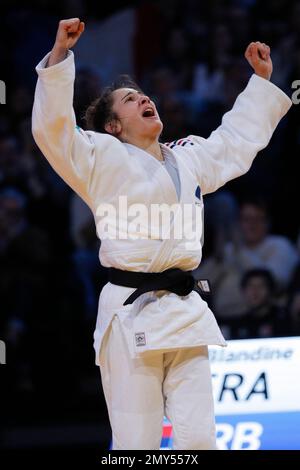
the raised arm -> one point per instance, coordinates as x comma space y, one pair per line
69, 150
245, 130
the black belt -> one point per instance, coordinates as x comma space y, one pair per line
174, 280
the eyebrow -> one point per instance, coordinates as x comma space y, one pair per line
131, 93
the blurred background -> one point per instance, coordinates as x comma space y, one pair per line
189, 56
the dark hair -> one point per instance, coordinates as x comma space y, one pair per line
262, 274
99, 113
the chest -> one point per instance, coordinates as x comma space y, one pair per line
152, 182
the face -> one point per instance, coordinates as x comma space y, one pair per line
254, 224
256, 292
138, 120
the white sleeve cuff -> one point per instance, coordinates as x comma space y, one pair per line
65, 65
265, 86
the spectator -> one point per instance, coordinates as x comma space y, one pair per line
251, 247
263, 318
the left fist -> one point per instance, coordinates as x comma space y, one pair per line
258, 56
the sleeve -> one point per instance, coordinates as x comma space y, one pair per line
69, 149
245, 130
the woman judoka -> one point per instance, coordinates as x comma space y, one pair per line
153, 327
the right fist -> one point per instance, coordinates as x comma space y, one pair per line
68, 33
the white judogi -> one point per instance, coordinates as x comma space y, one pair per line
101, 169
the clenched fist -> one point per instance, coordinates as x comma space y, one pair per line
68, 33
258, 56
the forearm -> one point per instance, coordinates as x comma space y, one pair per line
67, 148
245, 130
53, 120
54, 92
58, 54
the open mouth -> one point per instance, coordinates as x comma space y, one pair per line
148, 112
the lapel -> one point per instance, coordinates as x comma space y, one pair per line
157, 171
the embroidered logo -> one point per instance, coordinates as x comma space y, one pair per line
140, 339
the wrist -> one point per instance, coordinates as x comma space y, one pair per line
266, 76
58, 54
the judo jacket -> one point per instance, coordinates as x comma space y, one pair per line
122, 183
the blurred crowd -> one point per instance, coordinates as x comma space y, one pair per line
188, 56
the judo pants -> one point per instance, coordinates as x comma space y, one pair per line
138, 392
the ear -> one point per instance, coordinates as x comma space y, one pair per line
113, 127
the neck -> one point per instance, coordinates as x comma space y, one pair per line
154, 150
